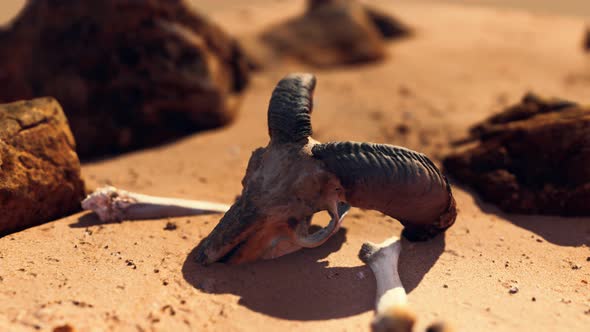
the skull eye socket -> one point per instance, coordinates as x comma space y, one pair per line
306, 240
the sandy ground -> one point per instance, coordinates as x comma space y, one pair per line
463, 64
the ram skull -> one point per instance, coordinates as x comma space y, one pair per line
295, 176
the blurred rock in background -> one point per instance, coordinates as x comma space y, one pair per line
329, 33
39, 169
532, 158
128, 73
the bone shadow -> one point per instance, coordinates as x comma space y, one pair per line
300, 287
562, 231
91, 219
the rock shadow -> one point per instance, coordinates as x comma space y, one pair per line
563, 231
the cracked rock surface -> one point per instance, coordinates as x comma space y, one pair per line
123, 68
532, 158
39, 169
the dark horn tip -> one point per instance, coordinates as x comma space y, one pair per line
308, 78
418, 233
296, 81
290, 107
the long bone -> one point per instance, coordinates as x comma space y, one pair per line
113, 204
392, 313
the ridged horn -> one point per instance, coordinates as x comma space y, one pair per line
290, 109
398, 182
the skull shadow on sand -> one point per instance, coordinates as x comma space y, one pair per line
303, 286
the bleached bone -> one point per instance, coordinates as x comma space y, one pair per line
113, 204
392, 312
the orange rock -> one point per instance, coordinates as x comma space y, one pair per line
40, 171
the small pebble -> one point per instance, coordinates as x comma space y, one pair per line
170, 226
534, 299
513, 290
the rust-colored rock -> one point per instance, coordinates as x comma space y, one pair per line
128, 73
532, 158
330, 33
39, 169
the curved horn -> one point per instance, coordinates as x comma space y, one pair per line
396, 181
305, 240
290, 108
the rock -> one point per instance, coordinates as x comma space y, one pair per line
39, 169
587, 40
128, 73
329, 33
532, 158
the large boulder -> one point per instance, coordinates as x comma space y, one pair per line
128, 73
532, 158
329, 33
39, 168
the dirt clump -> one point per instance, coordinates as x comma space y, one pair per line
128, 73
39, 169
532, 158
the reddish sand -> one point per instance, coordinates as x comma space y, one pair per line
463, 64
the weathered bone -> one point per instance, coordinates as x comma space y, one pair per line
113, 204
392, 312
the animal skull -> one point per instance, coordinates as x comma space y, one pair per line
295, 176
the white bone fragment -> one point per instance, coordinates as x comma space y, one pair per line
392, 312
113, 204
